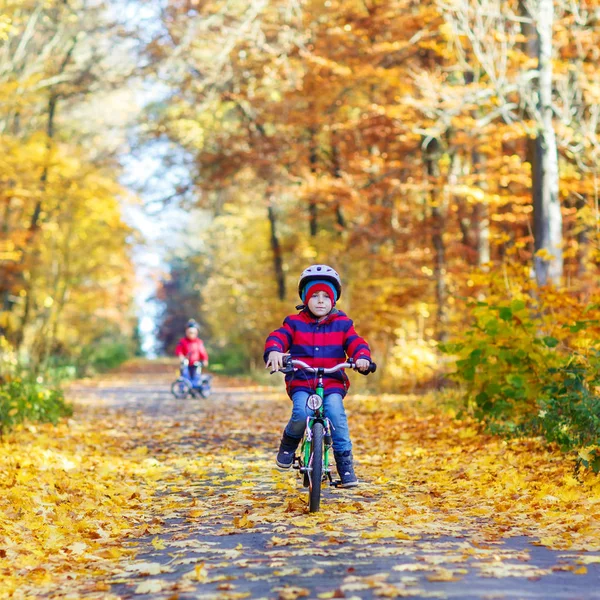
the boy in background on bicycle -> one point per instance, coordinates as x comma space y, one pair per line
321, 336
191, 347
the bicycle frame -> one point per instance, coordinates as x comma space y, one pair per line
319, 416
198, 378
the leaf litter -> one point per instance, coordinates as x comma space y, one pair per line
82, 499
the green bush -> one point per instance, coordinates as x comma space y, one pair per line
103, 356
230, 360
22, 400
60, 369
524, 374
502, 361
569, 409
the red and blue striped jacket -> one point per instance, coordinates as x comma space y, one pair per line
323, 343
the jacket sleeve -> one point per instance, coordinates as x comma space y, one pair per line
202, 351
355, 346
279, 340
180, 350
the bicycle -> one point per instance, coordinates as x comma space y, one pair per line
313, 461
191, 382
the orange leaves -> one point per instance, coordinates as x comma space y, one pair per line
436, 502
243, 522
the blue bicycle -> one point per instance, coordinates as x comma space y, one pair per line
191, 381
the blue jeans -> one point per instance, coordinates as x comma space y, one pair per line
334, 411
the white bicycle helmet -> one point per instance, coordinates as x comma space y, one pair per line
320, 272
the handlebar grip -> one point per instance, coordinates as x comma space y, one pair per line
372, 369
286, 368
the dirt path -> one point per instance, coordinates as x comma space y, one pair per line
229, 525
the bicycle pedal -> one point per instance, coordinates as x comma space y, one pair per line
335, 483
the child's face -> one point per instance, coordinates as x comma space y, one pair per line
320, 304
191, 333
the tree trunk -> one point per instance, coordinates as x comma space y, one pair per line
547, 217
583, 241
34, 222
312, 207
50, 332
35, 217
277, 253
439, 271
481, 216
437, 238
336, 171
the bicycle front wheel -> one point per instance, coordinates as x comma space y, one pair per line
181, 389
316, 463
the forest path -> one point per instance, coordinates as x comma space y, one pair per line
227, 524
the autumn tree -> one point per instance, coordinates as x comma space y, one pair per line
60, 198
388, 138
519, 52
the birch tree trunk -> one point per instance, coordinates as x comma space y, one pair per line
547, 217
478, 21
481, 213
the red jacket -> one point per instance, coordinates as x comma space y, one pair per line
193, 350
318, 344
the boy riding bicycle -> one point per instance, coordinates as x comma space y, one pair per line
321, 336
191, 349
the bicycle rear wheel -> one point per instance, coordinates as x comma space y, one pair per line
204, 388
316, 462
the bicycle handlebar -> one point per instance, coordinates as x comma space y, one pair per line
290, 363
184, 361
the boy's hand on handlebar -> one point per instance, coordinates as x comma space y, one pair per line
275, 360
363, 364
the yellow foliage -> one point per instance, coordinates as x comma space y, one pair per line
75, 493
76, 266
70, 496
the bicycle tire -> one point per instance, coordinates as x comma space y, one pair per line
316, 478
181, 389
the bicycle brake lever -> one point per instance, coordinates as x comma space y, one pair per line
285, 369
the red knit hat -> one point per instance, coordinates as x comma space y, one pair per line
319, 286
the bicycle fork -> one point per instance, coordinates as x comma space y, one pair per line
305, 461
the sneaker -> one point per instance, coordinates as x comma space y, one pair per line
345, 469
285, 459
287, 449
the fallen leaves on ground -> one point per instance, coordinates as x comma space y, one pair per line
70, 496
437, 500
